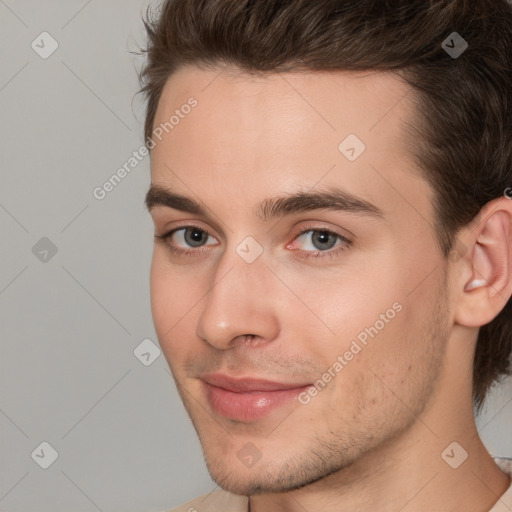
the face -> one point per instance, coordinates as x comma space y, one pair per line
298, 290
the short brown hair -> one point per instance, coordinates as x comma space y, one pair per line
464, 102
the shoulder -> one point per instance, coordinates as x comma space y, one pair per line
217, 501
504, 504
505, 464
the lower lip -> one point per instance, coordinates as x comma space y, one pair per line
249, 406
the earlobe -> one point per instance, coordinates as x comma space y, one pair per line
475, 283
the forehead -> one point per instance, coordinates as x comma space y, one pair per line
284, 131
292, 103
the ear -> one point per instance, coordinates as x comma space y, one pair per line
484, 282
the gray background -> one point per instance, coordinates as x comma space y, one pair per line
72, 320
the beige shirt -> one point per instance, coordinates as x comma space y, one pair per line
223, 501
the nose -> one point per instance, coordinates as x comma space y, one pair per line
240, 305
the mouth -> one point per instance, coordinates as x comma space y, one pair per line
248, 399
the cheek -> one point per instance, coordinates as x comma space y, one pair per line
173, 297
349, 304
400, 359
375, 325
169, 306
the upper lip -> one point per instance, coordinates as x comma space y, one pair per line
247, 384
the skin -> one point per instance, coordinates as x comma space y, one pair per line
373, 438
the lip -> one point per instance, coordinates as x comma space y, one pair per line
248, 399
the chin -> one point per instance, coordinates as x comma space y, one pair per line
268, 477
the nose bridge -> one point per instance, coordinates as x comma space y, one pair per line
239, 301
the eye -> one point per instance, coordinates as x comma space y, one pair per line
319, 243
315, 240
193, 237
187, 238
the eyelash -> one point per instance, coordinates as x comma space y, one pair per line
330, 253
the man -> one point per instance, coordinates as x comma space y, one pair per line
332, 270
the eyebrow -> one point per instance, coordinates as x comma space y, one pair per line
329, 198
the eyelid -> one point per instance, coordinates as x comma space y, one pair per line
170, 232
183, 224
